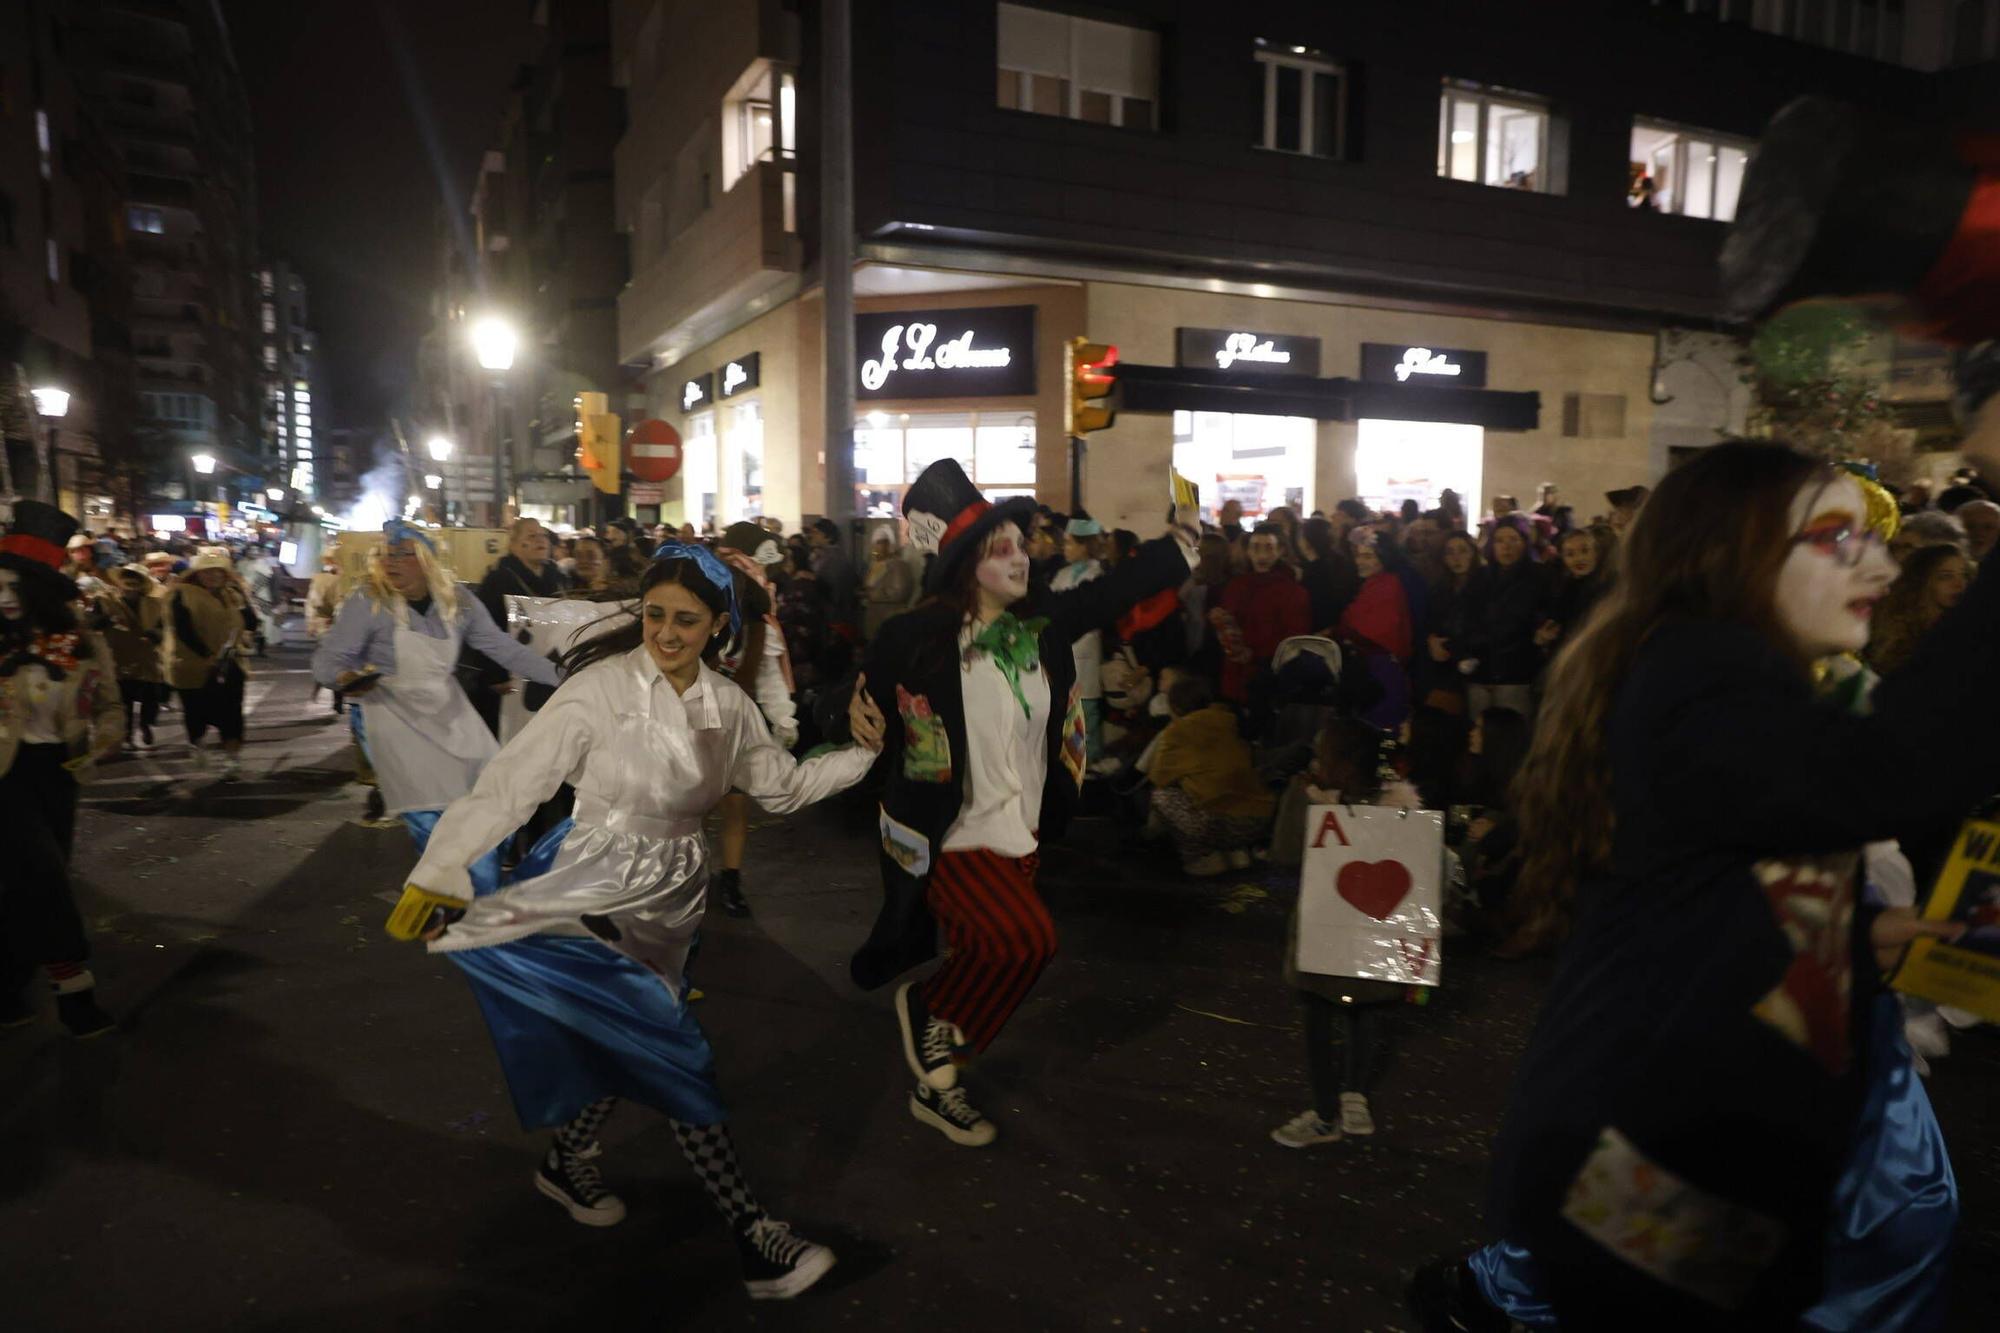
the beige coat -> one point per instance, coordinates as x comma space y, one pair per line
89, 717
218, 623
137, 636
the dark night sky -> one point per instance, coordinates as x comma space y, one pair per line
348, 190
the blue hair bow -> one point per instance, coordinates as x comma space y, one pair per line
712, 568
395, 531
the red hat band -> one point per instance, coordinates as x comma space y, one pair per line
39, 549
966, 518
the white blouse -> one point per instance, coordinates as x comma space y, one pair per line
1008, 761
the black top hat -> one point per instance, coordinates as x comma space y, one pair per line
949, 518
1835, 205
35, 546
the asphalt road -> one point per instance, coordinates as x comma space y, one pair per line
304, 1125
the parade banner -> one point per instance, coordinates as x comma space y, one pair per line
553, 625
1965, 973
1371, 894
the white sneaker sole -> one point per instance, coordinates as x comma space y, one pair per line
945, 1077
964, 1138
1278, 1137
811, 1269
601, 1216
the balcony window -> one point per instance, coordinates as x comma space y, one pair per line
759, 121
148, 220
1305, 98
1080, 69
1496, 138
1695, 173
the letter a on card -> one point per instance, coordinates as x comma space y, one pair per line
1330, 823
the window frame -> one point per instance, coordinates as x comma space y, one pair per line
1308, 64
1682, 136
1485, 99
1070, 80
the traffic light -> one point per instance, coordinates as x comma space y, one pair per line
597, 433
1093, 389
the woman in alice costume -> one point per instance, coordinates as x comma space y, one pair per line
579, 965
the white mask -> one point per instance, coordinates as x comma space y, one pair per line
1825, 603
1003, 565
10, 596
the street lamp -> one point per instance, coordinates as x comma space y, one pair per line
440, 448
204, 463
432, 480
53, 404
493, 342
274, 492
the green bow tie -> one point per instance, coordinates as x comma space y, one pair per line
1015, 646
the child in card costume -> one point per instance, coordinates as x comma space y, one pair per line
1716, 1123
984, 731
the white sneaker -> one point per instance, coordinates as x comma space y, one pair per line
1355, 1119
1239, 859
1305, 1130
1202, 867
198, 757
232, 769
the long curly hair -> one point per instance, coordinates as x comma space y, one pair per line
439, 580
1707, 546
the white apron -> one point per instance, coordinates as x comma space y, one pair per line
426, 742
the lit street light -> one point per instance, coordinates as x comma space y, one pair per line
432, 480
440, 448
51, 402
203, 463
493, 342
274, 492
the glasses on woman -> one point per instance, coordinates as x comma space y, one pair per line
1838, 537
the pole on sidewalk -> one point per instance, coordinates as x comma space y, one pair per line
836, 255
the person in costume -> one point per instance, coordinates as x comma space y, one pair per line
580, 965
1083, 547
762, 669
394, 645
1716, 1123
212, 626
134, 625
984, 726
59, 713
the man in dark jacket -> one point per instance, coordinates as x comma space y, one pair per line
525, 571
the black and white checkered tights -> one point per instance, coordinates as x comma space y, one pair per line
581, 1132
712, 1154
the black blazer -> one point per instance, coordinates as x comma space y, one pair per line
915, 677
1731, 786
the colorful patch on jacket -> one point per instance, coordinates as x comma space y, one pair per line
1709, 1246
926, 744
1812, 899
1075, 737
905, 846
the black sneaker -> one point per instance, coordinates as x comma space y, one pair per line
778, 1263
1445, 1299
730, 884
80, 1014
927, 1041
572, 1180
953, 1116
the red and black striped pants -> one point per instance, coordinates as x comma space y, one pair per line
999, 937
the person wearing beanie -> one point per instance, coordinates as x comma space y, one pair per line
762, 669
59, 714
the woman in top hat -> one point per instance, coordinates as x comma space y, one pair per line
580, 965
395, 644
984, 727
212, 623
59, 712
762, 669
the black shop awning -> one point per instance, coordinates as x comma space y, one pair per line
1195, 389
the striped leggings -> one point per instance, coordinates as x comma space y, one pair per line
998, 935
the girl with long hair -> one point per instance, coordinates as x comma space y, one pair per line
984, 731
1716, 1123
1932, 581
59, 713
580, 965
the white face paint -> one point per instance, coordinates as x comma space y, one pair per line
1002, 574
10, 596
1835, 571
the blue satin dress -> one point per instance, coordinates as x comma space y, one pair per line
1895, 1209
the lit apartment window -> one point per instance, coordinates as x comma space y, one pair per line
1304, 101
264, 282
1081, 69
45, 144
146, 219
759, 121
1695, 173
55, 261
270, 318
1498, 138
270, 357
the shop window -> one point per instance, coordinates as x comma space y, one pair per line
1261, 462
1305, 102
699, 472
1695, 173
996, 449
1081, 69
744, 473
1594, 416
1497, 138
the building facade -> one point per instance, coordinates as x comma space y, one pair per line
1407, 199
286, 353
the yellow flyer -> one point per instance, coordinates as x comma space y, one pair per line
1185, 493
1965, 973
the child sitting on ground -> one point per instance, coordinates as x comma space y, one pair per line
1204, 787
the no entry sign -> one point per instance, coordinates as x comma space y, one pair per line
653, 450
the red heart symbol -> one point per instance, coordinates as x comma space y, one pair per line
1374, 887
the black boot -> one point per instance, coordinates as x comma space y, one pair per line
729, 884
80, 1014
376, 807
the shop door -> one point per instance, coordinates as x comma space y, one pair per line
700, 471
1396, 461
1258, 461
